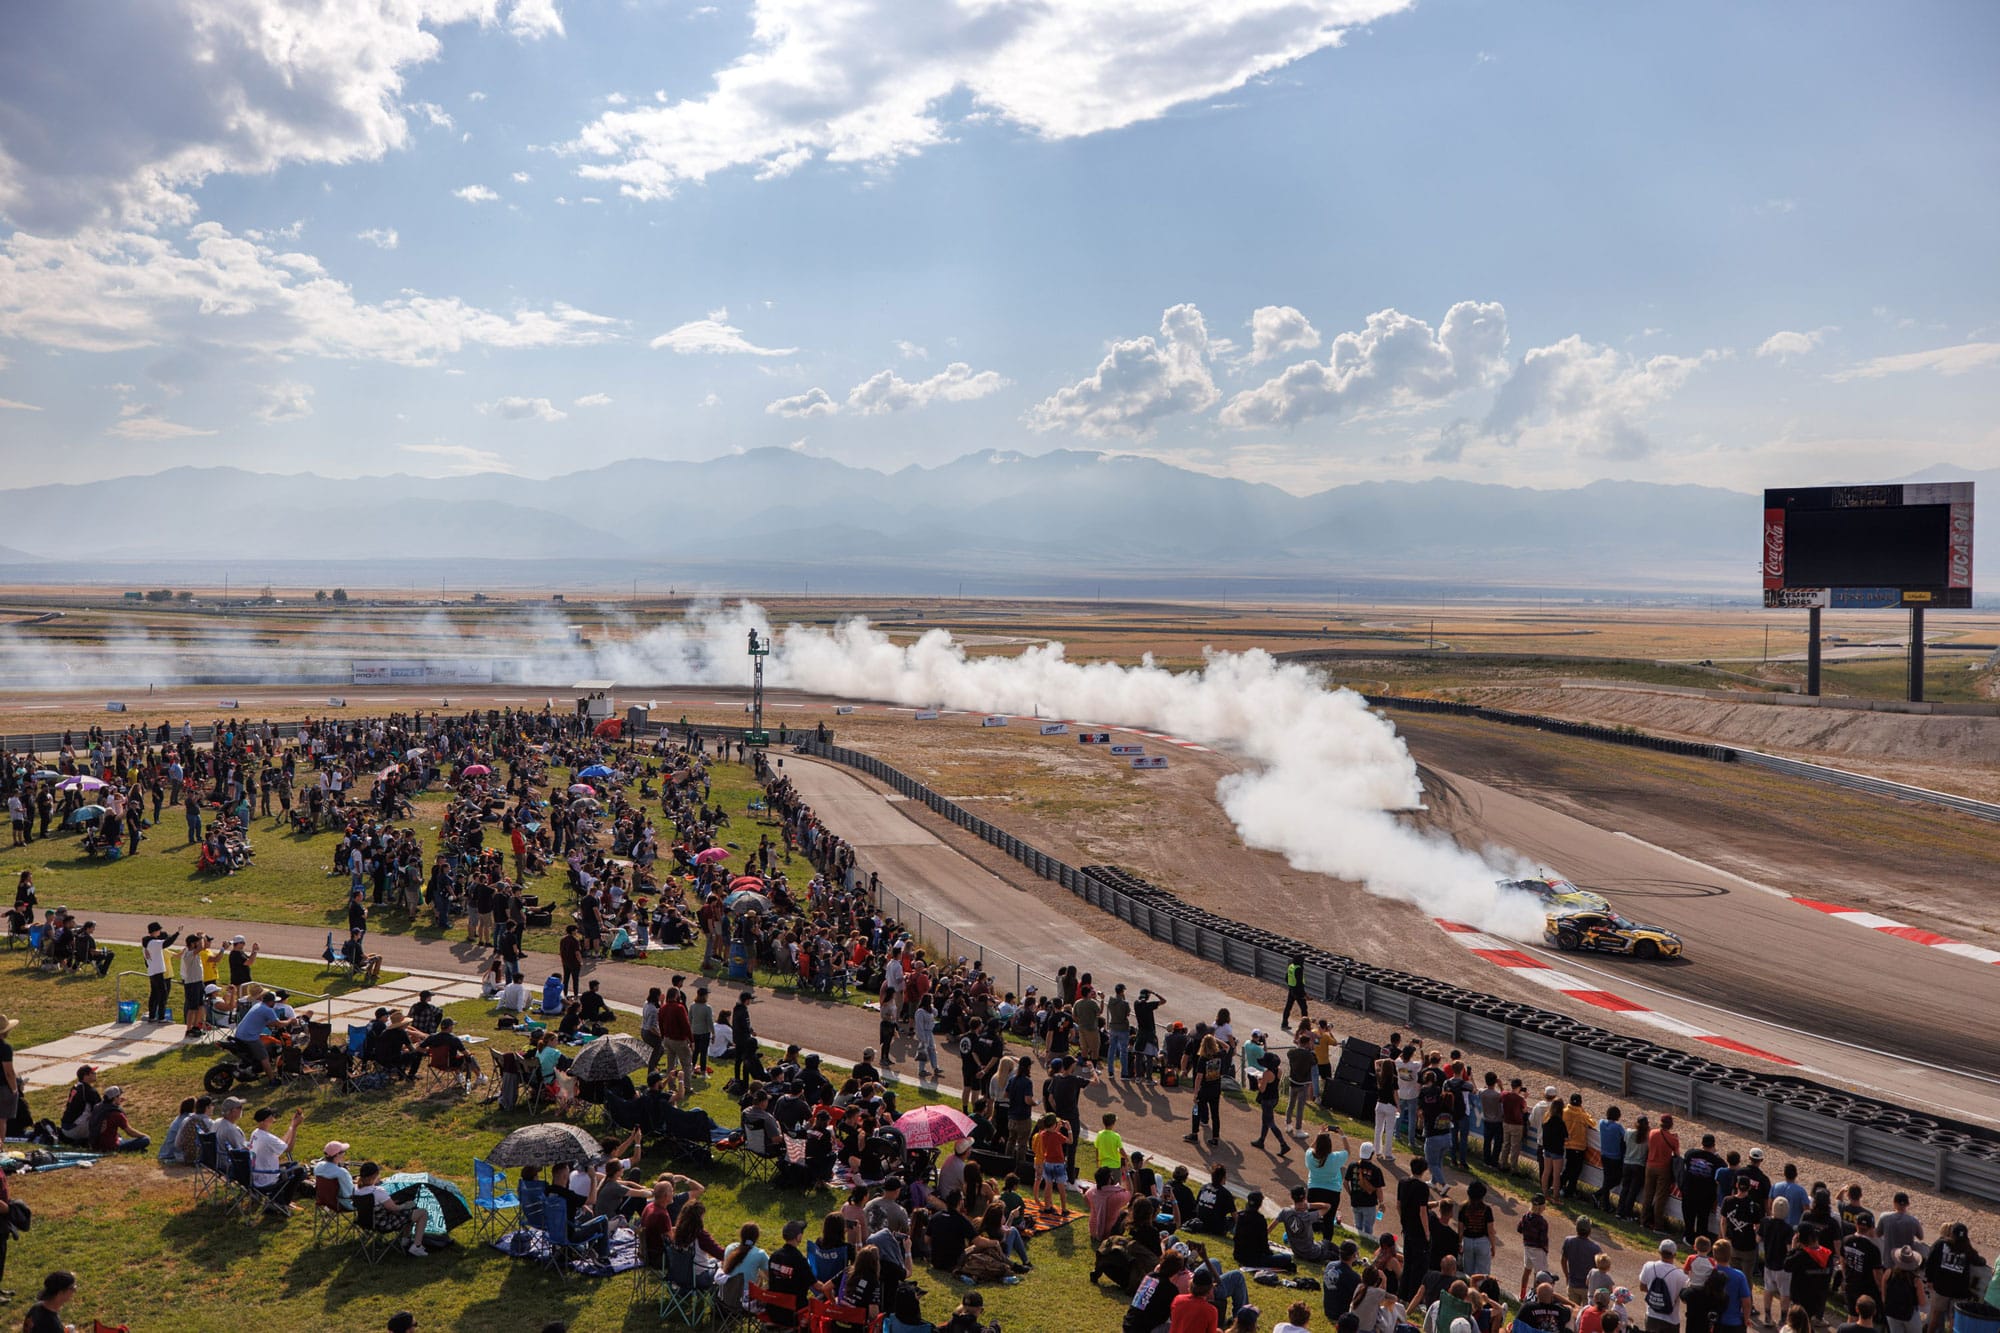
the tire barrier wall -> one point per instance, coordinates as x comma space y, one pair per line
1795, 1112
1832, 777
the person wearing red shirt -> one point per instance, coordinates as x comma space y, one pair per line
1662, 1146
1195, 1312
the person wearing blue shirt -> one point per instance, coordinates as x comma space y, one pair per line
250, 1030
1611, 1152
1735, 1312
1793, 1193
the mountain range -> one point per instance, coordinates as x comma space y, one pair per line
1067, 513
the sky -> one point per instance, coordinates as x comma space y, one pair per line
1305, 242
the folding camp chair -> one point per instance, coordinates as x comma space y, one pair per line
770, 1305
440, 1073
208, 1176
555, 1228
374, 1241
493, 1203
689, 1293
331, 1218
252, 1204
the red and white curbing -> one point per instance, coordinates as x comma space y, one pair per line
1915, 934
1530, 968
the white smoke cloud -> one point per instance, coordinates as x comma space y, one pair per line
1326, 770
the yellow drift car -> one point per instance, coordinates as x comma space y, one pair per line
1608, 932
1555, 893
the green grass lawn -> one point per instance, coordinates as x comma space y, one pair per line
148, 1255
54, 1004
291, 881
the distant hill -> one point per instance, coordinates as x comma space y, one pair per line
10, 556
1065, 514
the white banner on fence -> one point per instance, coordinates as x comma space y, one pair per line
114, 707
336, 702
225, 703
842, 710
434, 671
1150, 761
1055, 729
927, 715
994, 721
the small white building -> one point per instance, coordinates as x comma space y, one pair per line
593, 699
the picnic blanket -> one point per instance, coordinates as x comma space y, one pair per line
527, 1243
1039, 1217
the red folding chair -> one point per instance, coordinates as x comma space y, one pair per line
772, 1303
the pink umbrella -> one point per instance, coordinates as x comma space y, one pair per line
703, 858
582, 789
751, 882
475, 770
934, 1126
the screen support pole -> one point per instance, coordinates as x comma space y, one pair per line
1812, 652
1916, 654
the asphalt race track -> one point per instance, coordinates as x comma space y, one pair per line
1873, 1010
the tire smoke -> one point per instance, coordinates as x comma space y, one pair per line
1327, 770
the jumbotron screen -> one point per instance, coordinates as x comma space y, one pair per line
1855, 546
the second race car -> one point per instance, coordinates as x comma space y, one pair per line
1555, 893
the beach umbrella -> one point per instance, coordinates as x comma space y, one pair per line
597, 771
81, 783
744, 900
88, 814
415, 752
608, 1058
934, 1126
386, 773
547, 1143
443, 1203
582, 789
710, 855
584, 803
475, 771
750, 882
44, 774
612, 728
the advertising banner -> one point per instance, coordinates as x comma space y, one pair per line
1795, 597
436, 671
1093, 738
1128, 749
1774, 548
1958, 564
1150, 761
994, 721
927, 715
1055, 729
842, 710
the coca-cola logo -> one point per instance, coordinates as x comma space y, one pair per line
1774, 548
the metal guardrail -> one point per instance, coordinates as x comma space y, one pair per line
1820, 773
1780, 1109
955, 943
301, 1003
1861, 782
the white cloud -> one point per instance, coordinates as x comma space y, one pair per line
711, 399
131, 104
956, 383
909, 351
1395, 361
142, 421
524, 409
814, 402
716, 335
865, 82
532, 20
1278, 329
463, 458
1589, 398
382, 238
475, 96
1786, 344
1139, 382
285, 402
476, 194
113, 291
615, 99
592, 400
435, 114
9, 405
1955, 360
521, 178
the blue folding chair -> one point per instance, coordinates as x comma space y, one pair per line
555, 1227
492, 1200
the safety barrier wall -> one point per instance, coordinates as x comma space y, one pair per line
1781, 1110
1833, 777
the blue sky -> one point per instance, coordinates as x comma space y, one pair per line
1301, 241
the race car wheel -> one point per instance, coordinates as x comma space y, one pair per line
1568, 941
1647, 949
